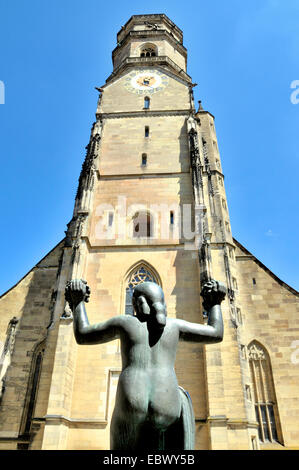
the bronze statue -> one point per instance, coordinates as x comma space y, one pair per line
151, 411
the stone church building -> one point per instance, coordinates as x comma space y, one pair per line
150, 205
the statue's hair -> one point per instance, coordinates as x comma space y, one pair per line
146, 288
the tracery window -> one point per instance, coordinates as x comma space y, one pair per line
141, 274
264, 393
31, 396
33, 393
148, 52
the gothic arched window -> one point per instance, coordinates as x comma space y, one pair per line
142, 225
264, 393
140, 274
31, 396
148, 51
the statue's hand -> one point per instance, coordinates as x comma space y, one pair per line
76, 291
213, 293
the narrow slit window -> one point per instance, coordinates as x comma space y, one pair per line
144, 159
146, 102
239, 316
146, 131
254, 281
110, 219
143, 225
171, 217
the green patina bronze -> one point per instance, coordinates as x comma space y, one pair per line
151, 411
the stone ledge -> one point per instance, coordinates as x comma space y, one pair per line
144, 113
150, 61
73, 422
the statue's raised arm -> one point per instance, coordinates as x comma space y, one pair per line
151, 411
76, 293
213, 294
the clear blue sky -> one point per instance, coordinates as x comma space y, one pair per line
243, 55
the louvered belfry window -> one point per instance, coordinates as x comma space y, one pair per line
148, 52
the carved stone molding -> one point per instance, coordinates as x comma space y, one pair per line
256, 352
86, 179
67, 314
138, 114
152, 33
10, 336
158, 60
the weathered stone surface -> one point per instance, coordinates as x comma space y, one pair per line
75, 399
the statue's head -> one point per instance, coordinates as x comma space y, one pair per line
149, 304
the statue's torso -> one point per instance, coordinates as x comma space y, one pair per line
148, 383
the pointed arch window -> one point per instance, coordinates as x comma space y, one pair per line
140, 274
264, 394
31, 395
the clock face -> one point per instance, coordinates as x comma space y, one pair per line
146, 81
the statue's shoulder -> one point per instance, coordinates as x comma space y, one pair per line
172, 322
175, 323
125, 320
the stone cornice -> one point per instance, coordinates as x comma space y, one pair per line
222, 244
214, 171
77, 422
204, 112
132, 247
144, 113
150, 61
156, 16
233, 423
150, 34
142, 175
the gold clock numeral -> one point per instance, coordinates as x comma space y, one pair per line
145, 81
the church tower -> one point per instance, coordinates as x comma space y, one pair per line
150, 205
